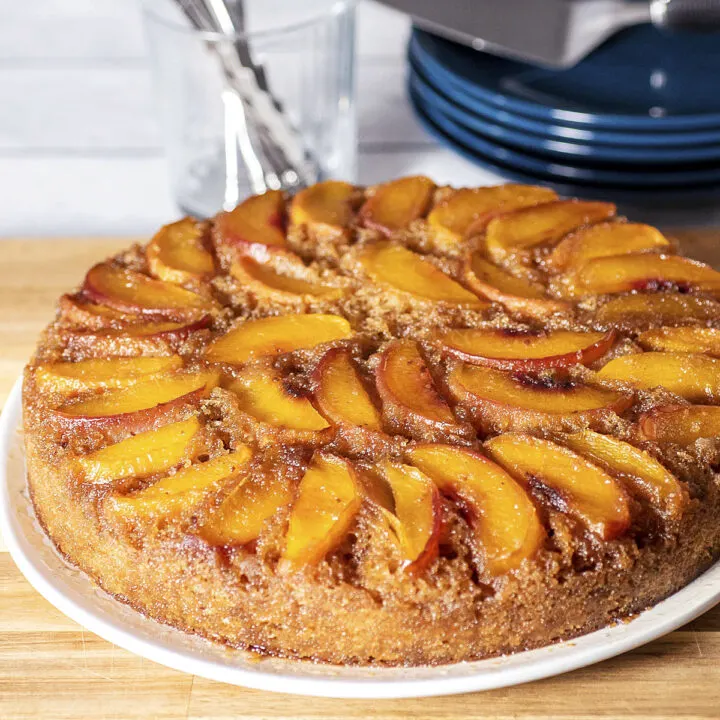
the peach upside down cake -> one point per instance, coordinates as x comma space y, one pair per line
395, 425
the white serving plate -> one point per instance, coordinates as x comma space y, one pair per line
76, 596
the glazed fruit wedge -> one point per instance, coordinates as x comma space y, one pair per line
264, 282
680, 424
531, 227
181, 494
638, 470
410, 399
177, 254
501, 401
604, 240
467, 211
277, 335
642, 271
326, 205
504, 521
263, 395
133, 292
328, 498
399, 268
416, 518
67, 377
148, 453
517, 294
525, 349
568, 481
79, 312
340, 394
256, 227
692, 376
144, 401
682, 339
648, 309
394, 205
243, 515
141, 339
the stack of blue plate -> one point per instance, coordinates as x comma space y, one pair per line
640, 116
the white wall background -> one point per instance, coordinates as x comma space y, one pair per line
80, 151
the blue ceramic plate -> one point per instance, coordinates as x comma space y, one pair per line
525, 168
639, 79
564, 133
566, 150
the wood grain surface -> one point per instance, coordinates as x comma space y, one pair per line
51, 668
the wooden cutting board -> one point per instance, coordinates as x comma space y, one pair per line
51, 668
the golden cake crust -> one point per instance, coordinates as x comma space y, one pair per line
361, 594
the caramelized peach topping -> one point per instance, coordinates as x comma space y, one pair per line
467, 211
255, 227
501, 401
277, 335
326, 204
394, 205
328, 499
540, 225
404, 270
567, 480
176, 254
524, 349
694, 377
504, 521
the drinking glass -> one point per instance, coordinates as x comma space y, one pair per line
306, 52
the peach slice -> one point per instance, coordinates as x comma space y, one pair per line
264, 282
277, 335
467, 211
255, 227
101, 373
638, 469
394, 205
517, 294
243, 515
77, 311
504, 520
324, 205
151, 397
409, 272
603, 240
540, 225
568, 481
141, 339
645, 309
340, 394
416, 519
642, 271
262, 394
133, 292
501, 401
694, 377
182, 493
176, 253
409, 396
526, 349
680, 424
682, 339
148, 453
328, 498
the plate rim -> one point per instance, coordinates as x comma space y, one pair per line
572, 118
544, 662
479, 119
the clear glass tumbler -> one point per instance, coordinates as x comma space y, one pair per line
306, 54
